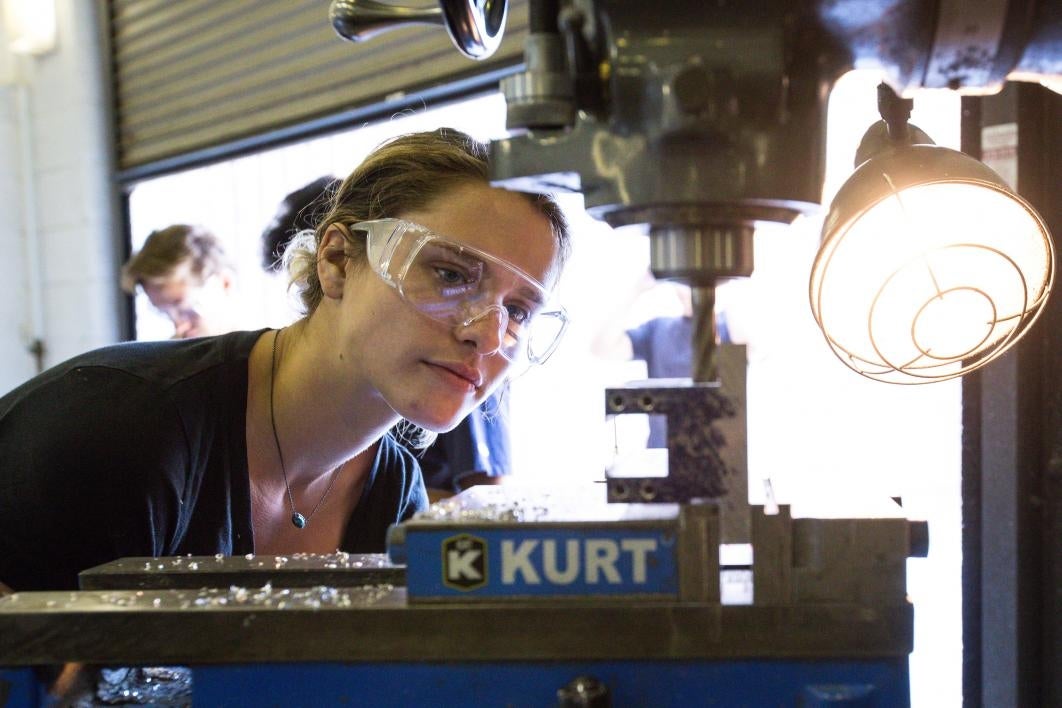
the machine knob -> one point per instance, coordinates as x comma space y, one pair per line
475, 26
584, 692
918, 539
692, 89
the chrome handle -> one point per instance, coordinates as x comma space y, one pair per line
475, 26
359, 20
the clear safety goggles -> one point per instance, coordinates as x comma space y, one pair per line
458, 285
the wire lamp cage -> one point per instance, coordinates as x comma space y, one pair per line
930, 266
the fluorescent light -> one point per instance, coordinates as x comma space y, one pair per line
30, 26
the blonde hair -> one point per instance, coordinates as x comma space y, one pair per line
403, 174
166, 249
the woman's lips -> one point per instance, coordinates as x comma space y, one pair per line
469, 377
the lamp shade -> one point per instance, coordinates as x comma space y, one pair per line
930, 266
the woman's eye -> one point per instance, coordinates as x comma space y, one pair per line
449, 276
518, 314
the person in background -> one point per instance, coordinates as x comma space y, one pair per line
477, 451
187, 276
299, 211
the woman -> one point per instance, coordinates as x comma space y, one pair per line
477, 451
423, 285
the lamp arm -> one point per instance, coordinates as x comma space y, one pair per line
895, 111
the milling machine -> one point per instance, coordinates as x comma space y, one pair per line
697, 120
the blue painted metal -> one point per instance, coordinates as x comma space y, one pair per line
536, 561
19, 688
879, 683
811, 684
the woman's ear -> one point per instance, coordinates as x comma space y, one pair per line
332, 260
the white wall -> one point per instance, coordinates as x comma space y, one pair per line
73, 219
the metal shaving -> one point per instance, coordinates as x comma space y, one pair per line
265, 597
331, 561
453, 510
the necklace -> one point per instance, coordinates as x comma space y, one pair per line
298, 520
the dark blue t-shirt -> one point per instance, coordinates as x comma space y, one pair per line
139, 449
478, 445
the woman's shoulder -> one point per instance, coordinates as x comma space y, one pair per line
195, 353
168, 361
394, 458
397, 470
156, 365
395, 491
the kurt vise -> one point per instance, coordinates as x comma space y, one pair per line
498, 598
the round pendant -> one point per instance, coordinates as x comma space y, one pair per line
298, 520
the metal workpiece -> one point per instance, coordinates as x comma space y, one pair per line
856, 560
698, 552
772, 565
706, 441
832, 560
696, 467
298, 570
163, 627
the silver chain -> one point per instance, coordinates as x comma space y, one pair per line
297, 520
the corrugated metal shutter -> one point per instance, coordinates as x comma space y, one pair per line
195, 74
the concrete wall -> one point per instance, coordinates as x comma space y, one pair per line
60, 206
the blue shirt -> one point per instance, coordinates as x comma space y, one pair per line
478, 445
664, 343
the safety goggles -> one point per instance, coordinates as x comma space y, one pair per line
458, 285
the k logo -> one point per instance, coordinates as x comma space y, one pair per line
464, 562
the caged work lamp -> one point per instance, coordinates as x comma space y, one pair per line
930, 264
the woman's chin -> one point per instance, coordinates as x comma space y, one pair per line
438, 422
438, 412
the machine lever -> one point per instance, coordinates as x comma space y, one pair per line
475, 26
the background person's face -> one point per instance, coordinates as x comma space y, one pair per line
197, 308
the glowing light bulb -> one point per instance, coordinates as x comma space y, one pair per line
934, 277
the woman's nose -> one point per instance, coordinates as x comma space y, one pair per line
485, 329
